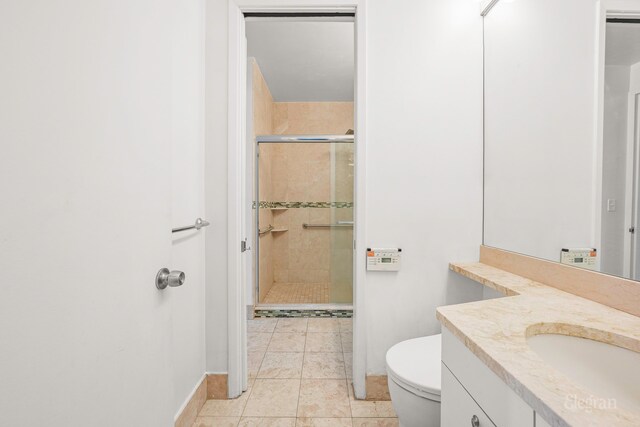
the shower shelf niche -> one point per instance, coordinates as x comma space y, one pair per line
279, 209
271, 229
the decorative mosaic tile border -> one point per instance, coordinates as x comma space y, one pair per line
296, 205
303, 313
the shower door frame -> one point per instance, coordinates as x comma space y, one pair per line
237, 267
288, 139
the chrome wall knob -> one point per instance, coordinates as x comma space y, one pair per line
475, 421
166, 278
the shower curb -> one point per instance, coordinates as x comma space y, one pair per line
303, 313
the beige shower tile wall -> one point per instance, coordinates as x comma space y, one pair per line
300, 118
303, 173
303, 255
262, 120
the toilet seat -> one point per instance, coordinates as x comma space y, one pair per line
415, 365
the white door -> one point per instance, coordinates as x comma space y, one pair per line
85, 127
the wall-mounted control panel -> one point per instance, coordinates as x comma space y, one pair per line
580, 257
383, 259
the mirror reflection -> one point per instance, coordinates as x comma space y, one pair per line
562, 145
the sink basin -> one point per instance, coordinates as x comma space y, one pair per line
611, 373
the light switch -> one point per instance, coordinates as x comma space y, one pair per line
611, 205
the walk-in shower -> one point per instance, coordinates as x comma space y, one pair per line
304, 222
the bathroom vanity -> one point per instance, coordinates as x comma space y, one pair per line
473, 395
493, 374
561, 347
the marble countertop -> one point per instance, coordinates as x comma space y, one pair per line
496, 331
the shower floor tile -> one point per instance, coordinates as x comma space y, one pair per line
298, 293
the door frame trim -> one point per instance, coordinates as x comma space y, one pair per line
631, 183
236, 292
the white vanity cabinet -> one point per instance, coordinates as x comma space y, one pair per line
472, 395
461, 409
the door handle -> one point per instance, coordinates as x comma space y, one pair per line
166, 278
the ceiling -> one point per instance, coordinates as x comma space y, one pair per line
304, 61
623, 44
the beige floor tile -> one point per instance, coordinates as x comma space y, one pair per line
273, 398
375, 422
267, 422
281, 365
225, 408
292, 325
348, 365
298, 293
323, 325
324, 422
327, 342
287, 342
216, 422
346, 338
258, 341
346, 324
323, 399
370, 408
323, 365
261, 325
254, 361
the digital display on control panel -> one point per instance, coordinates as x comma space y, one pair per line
385, 259
580, 257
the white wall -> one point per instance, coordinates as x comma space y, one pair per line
424, 162
616, 94
93, 94
304, 61
539, 125
424, 165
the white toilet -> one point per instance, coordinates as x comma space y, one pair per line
413, 369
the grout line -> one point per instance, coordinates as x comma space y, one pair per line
304, 356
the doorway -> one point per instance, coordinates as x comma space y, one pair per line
632, 199
240, 235
300, 122
620, 151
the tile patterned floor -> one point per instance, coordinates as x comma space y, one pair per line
299, 376
298, 293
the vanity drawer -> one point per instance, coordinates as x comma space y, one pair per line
458, 407
502, 405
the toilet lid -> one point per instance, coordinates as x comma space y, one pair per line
416, 363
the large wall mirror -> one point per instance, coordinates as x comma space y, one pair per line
562, 131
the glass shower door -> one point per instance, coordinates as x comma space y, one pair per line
341, 259
305, 220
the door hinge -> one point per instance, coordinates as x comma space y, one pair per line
243, 246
